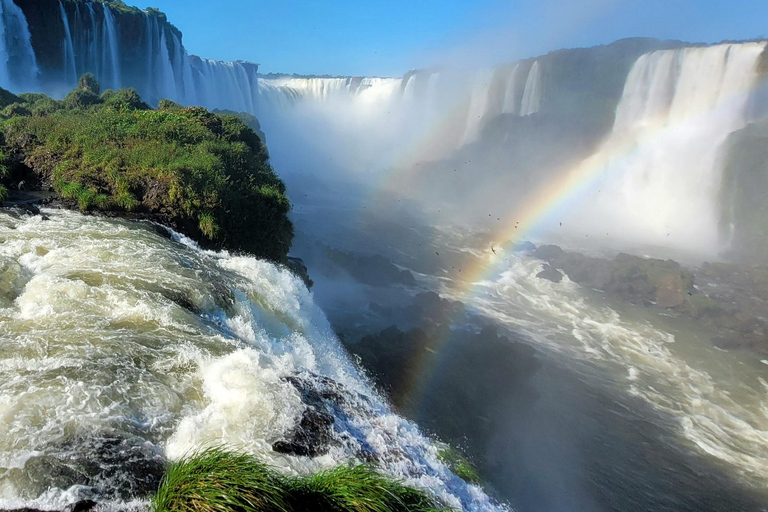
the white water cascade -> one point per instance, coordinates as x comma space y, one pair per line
95, 42
18, 66
112, 55
659, 170
70, 66
113, 332
531, 101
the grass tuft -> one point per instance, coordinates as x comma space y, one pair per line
460, 465
216, 480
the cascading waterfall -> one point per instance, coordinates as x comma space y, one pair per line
531, 101
478, 105
112, 55
93, 41
226, 85
70, 65
18, 65
661, 166
510, 93
124, 348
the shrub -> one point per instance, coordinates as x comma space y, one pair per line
356, 489
215, 480
88, 82
166, 104
124, 99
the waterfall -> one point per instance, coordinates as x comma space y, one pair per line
112, 56
662, 162
18, 65
226, 85
532, 95
510, 93
70, 66
478, 105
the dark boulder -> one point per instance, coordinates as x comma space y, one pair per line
327, 419
78, 506
313, 436
550, 273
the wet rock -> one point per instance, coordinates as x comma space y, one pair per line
29, 208
671, 291
80, 506
628, 277
328, 420
109, 466
550, 273
297, 266
313, 436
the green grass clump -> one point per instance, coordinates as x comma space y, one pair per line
216, 480
459, 464
205, 174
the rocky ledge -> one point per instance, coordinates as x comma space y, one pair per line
730, 300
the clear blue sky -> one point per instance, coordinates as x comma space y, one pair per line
389, 37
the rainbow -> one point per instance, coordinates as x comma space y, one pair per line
543, 208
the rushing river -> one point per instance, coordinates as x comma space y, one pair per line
122, 348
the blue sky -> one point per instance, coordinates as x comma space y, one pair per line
387, 38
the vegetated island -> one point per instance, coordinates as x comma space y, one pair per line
204, 174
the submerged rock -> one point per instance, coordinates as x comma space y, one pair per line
327, 420
550, 273
78, 506
628, 277
108, 466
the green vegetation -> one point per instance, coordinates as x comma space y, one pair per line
121, 7
459, 464
205, 174
215, 480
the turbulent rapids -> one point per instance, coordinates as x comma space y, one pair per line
122, 347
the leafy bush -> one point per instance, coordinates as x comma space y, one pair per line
216, 480
207, 175
88, 82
